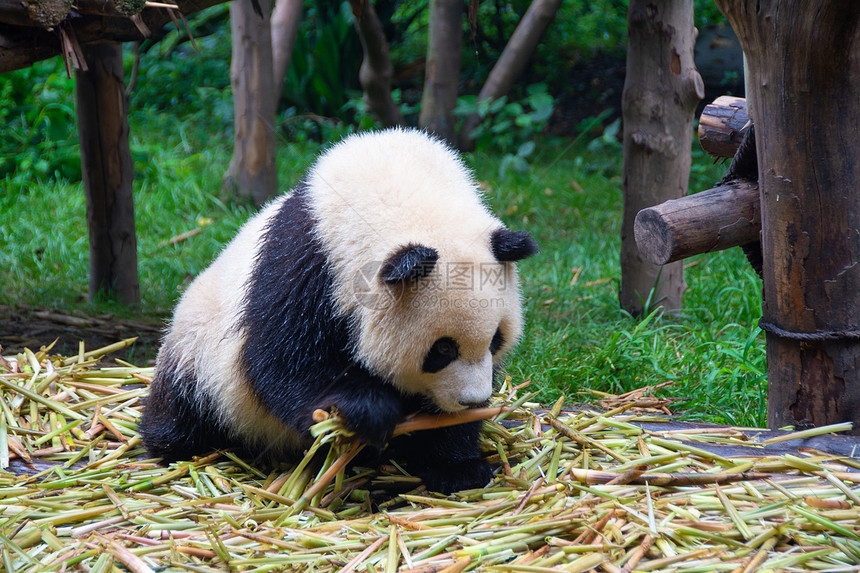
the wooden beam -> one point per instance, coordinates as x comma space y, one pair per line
721, 125
720, 218
21, 46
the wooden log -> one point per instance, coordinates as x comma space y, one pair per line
48, 14
721, 125
111, 7
803, 78
720, 218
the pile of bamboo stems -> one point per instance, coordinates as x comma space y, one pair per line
574, 492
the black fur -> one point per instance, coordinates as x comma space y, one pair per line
744, 166
409, 263
446, 459
296, 349
497, 342
297, 354
443, 352
175, 424
511, 246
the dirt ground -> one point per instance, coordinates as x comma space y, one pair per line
33, 328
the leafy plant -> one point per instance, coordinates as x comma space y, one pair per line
509, 126
192, 82
325, 61
38, 139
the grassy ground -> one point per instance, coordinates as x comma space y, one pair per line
570, 198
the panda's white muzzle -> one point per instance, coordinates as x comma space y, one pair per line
463, 384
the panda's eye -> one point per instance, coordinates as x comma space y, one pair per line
497, 342
443, 352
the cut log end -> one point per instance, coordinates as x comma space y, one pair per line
653, 237
48, 13
726, 216
721, 126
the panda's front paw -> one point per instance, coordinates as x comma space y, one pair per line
372, 422
450, 477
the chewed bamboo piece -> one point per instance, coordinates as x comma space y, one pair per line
574, 492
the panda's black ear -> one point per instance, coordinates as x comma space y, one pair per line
509, 246
409, 263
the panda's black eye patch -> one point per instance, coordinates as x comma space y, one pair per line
497, 342
443, 352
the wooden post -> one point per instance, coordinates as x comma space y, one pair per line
804, 81
659, 99
107, 173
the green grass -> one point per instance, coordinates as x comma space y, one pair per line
576, 336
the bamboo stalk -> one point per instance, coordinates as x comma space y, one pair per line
623, 500
433, 421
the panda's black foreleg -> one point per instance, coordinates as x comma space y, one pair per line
370, 407
446, 459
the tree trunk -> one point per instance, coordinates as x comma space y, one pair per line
252, 170
285, 26
376, 70
107, 174
804, 81
513, 60
442, 75
659, 99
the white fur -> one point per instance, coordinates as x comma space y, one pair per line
376, 192
211, 307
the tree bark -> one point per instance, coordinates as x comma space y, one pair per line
376, 70
285, 26
442, 76
660, 95
252, 172
513, 60
107, 174
803, 61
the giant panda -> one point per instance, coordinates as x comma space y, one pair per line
381, 285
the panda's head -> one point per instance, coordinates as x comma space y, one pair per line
422, 270
449, 320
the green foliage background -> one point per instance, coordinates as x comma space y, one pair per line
566, 191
